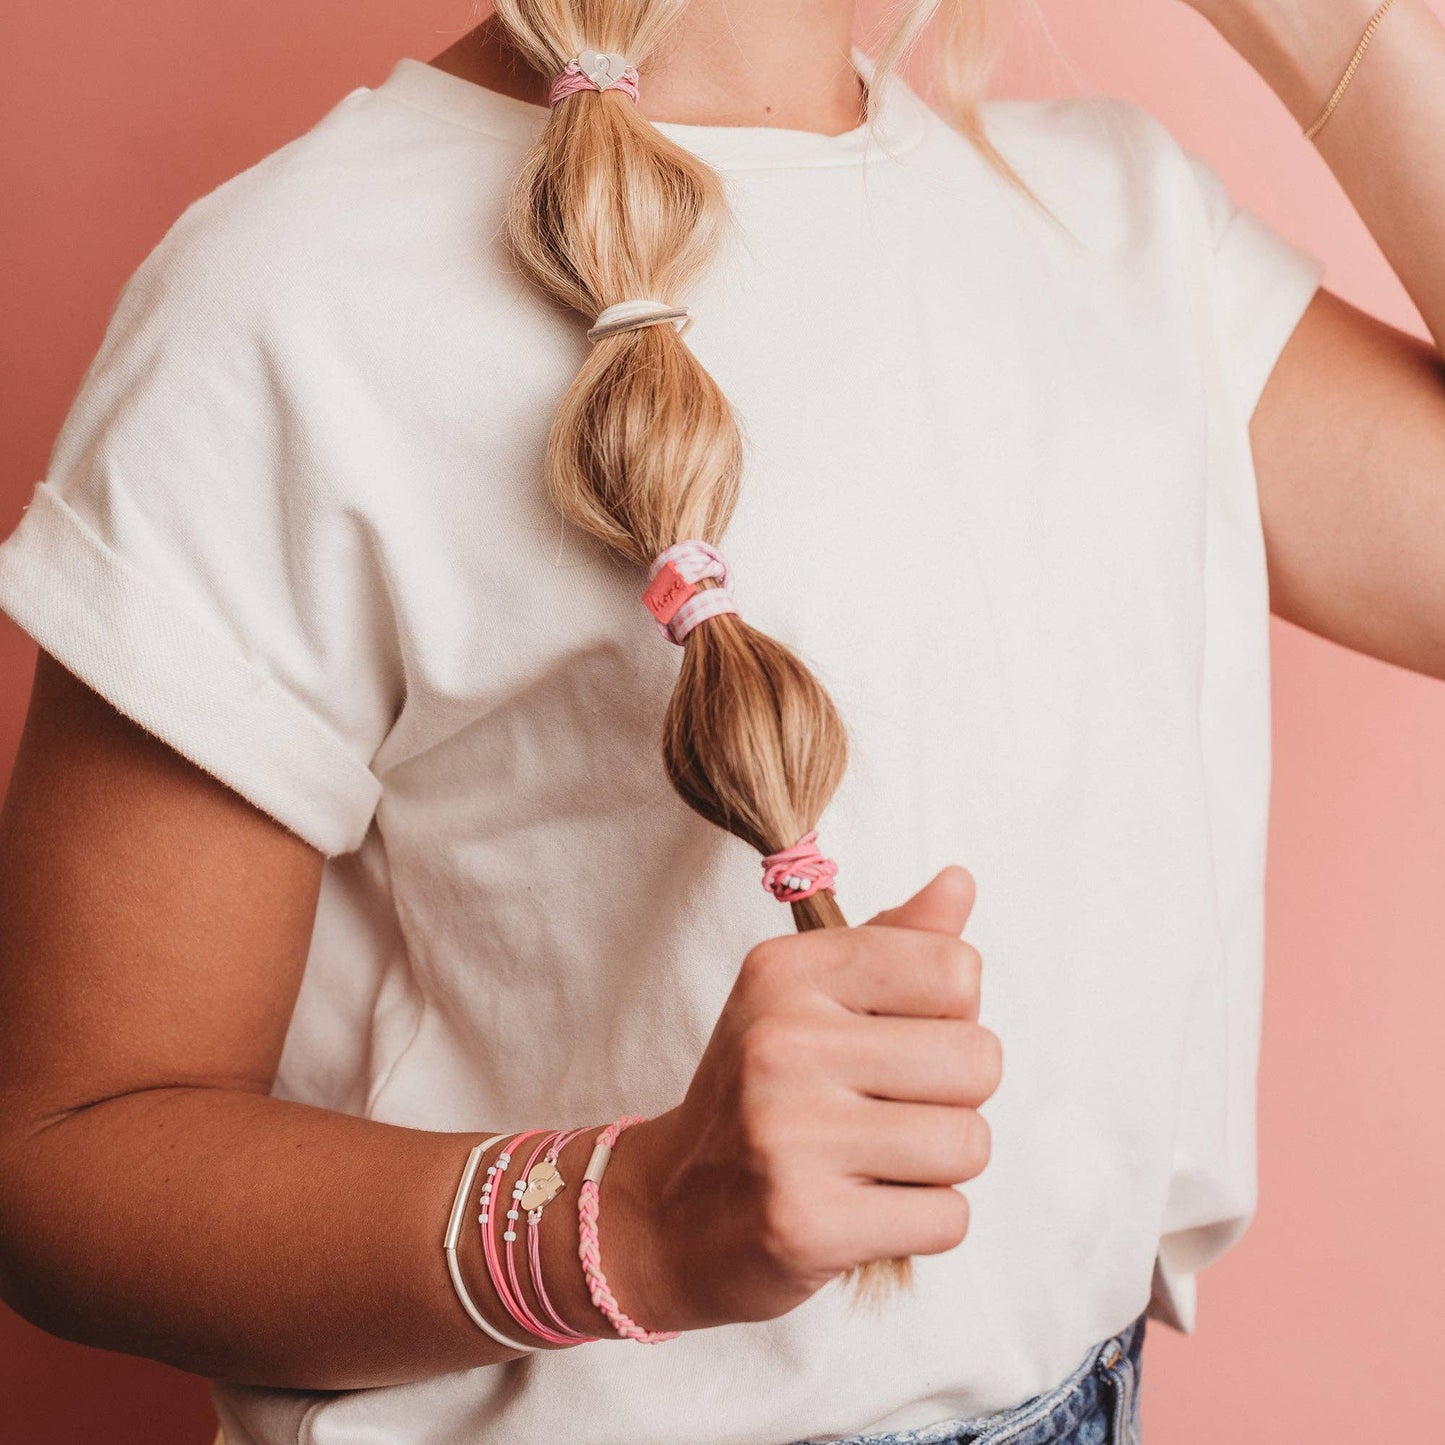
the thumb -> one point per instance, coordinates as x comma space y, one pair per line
942, 905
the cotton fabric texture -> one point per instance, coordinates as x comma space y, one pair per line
999, 494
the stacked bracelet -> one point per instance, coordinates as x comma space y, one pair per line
492, 1198
449, 1244
544, 1183
589, 1249
537, 1184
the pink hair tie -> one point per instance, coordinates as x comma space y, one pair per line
673, 597
798, 872
594, 70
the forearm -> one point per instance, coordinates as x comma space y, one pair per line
1385, 141
263, 1241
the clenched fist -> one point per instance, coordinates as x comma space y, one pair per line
834, 1108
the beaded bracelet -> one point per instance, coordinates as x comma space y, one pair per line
547, 1184
538, 1183
590, 1251
491, 1196
449, 1244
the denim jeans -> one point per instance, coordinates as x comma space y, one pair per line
1098, 1404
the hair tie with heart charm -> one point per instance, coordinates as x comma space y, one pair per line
594, 70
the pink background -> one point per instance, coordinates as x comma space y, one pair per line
1329, 1312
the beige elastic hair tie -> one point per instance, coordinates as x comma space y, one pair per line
630, 315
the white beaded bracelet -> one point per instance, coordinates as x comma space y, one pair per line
454, 1231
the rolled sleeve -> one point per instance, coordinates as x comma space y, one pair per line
150, 656
195, 553
1262, 283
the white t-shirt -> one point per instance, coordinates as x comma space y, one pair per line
999, 495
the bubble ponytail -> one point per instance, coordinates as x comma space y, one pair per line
645, 451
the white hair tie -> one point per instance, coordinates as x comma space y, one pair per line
630, 315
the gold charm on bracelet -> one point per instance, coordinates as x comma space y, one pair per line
544, 1183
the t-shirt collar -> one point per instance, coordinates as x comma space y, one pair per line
898, 126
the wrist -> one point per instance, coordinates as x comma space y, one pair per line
629, 1233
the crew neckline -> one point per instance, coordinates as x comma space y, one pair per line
899, 124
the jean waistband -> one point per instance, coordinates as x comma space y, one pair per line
1096, 1404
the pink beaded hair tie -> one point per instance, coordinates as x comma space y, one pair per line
798, 872
673, 597
594, 70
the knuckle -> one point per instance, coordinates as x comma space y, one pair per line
772, 1047
764, 962
988, 1059
948, 1223
784, 1229
968, 1144
962, 968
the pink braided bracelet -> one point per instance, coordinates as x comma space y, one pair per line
588, 1249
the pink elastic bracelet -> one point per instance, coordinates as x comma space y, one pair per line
534, 1253
491, 1190
798, 872
518, 1298
563, 1334
589, 1251
594, 70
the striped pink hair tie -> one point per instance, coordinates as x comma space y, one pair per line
594, 70
798, 872
673, 597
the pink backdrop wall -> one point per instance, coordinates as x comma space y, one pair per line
1329, 1313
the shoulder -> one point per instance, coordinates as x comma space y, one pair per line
1111, 137
1107, 167
371, 189
270, 290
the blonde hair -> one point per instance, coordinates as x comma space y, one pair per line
645, 450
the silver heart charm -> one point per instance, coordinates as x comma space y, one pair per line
602, 67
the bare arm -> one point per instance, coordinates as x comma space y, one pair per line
154, 1198
1349, 433
1349, 445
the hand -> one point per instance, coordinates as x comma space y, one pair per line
834, 1108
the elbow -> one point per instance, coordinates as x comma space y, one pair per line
25, 1281
35, 1225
